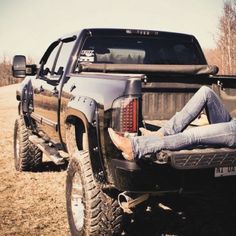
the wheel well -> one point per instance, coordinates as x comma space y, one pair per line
76, 137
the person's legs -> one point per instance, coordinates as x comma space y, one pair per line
221, 131
203, 98
215, 134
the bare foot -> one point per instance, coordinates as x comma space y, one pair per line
146, 132
122, 143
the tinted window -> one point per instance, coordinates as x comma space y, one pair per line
48, 67
140, 50
56, 57
63, 57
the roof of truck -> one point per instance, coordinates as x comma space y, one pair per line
143, 32
126, 32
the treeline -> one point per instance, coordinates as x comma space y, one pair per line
224, 55
6, 77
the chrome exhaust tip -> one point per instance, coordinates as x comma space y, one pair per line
126, 202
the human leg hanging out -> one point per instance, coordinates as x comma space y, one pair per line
203, 98
222, 129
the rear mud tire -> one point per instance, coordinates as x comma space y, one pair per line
26, 155
90, 211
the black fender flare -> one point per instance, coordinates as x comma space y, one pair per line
86, 110
24, 95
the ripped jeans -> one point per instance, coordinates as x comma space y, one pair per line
220, 131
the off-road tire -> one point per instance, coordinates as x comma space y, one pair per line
101, 213
26, 155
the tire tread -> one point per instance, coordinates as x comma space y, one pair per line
30, 156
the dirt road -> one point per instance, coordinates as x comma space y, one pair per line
30, 203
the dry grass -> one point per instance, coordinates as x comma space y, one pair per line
30, 203
33, 203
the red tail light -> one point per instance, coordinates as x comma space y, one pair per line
128, 116
125, 115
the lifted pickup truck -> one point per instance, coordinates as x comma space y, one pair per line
124, 79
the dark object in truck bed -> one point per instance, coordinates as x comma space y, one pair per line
141, 68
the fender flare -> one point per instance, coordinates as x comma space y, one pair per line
85, 109
24, 95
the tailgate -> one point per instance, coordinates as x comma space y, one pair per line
198, 158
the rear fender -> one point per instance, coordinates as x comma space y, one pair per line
85, 109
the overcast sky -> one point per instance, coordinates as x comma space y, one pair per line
29, 26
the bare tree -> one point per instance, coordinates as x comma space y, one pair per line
6, 77
213, 57
226, 43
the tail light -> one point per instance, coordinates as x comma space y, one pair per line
125, 115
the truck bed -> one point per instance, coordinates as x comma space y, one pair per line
161, 100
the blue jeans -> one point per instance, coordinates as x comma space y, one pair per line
220, 131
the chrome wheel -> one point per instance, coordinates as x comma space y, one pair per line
77, 203
17, 148
89, 210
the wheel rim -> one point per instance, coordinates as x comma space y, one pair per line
77, 203
17, 150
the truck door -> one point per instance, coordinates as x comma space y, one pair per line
46, 87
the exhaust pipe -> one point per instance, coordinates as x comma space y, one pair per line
127, 202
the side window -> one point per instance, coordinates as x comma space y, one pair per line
63, 57
56, 57
48, 67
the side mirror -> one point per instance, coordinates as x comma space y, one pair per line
19, 66
20, 69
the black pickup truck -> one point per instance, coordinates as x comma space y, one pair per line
124, 79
